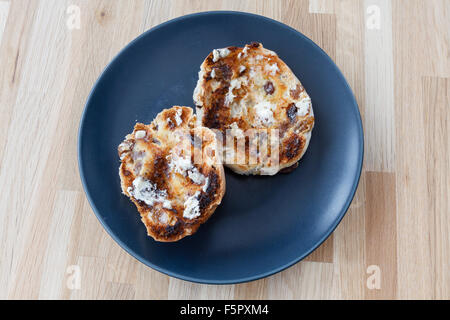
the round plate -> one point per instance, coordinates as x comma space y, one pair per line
264, 224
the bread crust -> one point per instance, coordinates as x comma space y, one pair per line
251, 88
171, 172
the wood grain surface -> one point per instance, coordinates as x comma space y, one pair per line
394, 241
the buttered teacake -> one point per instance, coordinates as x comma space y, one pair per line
170, 170
251, 89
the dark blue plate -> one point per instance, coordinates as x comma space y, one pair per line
264, 224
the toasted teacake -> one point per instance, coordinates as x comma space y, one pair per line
251, 94
171, 171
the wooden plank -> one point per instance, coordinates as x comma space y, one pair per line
381, 240
379, 84
4, 9
349, 236
436, 102
13, 49
415, 223
52, 283
34, 118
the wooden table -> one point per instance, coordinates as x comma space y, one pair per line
394, 55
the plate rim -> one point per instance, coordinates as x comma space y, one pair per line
246, 278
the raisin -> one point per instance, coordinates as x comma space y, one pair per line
269, 88
293, 146
292, 111
223, 72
